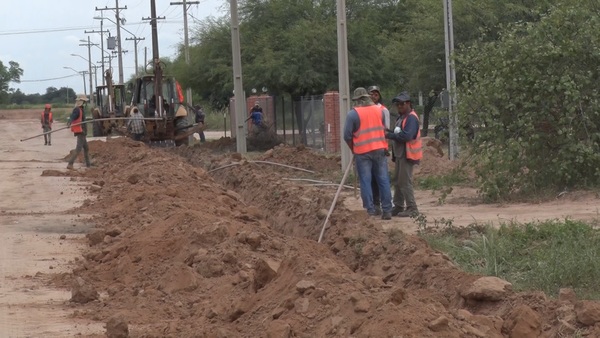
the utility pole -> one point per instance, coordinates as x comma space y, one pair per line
238, 88
119, 51
158, 71
89, 47
135, 42
82, 76
188, 91
119, 42
344, 82
96, 74
102, 31
451, 80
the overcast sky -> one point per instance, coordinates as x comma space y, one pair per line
41, 35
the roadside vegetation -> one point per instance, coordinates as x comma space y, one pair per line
543, 256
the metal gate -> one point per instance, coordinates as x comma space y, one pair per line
309, 117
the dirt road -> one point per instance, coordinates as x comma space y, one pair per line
458, 209
32, 220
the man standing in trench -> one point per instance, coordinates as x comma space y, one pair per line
79, 130
364, 133
408, 152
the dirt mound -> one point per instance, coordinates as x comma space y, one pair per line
180, 252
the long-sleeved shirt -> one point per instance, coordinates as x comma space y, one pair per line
408, 133
137, 125
386, 116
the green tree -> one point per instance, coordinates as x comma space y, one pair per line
210, 71
18, 97
11, 74
290, 46
534, 98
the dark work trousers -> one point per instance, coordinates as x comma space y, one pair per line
81, 145
403, 188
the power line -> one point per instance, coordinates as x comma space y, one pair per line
47, 30
52, 79
64, 29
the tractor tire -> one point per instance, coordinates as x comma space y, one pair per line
97, 128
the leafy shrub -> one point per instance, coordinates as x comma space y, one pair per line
534, 100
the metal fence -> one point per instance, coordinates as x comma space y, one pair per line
298, 120
309, 118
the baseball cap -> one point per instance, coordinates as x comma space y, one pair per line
402, 97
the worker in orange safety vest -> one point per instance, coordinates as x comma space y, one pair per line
79, 130
364, 132
407, 152
47, 123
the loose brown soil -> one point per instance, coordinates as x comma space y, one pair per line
181, 252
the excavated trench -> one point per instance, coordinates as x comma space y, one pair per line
200, 242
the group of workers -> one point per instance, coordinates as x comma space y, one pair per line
367, 131
75, 123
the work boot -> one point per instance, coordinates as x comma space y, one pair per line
377, 211
386, 215
396, 210
408, 213
70, 166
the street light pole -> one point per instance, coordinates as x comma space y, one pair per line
89, 60
90, 72
82, 75
102, 31
186, 46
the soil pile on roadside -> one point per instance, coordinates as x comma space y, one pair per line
180, 252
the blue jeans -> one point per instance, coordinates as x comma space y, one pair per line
374, 165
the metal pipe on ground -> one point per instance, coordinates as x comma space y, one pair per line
94, 120
337, 194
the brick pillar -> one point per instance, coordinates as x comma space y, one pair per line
331, 106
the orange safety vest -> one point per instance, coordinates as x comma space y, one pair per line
49, 118
414, 148
75, 125
370, 135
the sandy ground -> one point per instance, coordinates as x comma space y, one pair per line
32, 219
